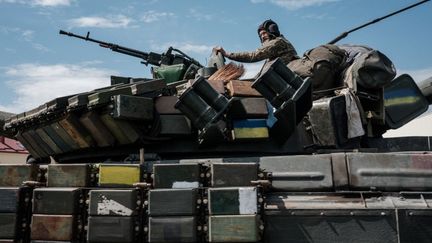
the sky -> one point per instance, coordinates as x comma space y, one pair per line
37, 64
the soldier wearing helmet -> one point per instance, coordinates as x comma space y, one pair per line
274, 45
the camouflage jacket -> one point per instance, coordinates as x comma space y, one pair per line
270, 50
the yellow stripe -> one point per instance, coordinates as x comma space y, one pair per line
118, 175
257, 132
401, 100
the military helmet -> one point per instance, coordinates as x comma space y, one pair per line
270, 26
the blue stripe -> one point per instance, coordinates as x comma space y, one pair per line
250, 123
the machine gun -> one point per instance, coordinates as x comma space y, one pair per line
156, 59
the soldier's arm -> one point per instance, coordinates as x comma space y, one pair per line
269, 50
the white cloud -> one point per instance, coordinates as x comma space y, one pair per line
42, 3
419, 74
51, 3
34, 84
117, 21
295, 4
153, 16
199, 16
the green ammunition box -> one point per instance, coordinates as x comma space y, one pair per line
99, 132
104, 97
123, 131
233, 228
104, 229
174, 125
132, 108
233, 174
48, 141
58, 129
54, 227
233, 200
57, 201
28, 146
15, 175
118, 175
172, 229
70, 175
76, 131
38, 147
8, 225
63, 146
14, 199
114, 202
177, 175
147, 87
42, 145
170, 202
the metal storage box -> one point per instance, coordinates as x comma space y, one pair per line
176, 175
172, 229
233, 200
114, 202
168, 202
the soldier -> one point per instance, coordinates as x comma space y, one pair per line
273, 45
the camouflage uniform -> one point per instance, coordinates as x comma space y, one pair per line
270, 50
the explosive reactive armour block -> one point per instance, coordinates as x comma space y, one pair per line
248, 107
57, 201
14, 199
53, 227
176, 175
117, 175
165, 105
103, 97
174, 125
123, 131
8, 225
114, 202
70, 175
233, 228
99, 132
132, 107
171, 202
233, 200
15, 175
107, 229
172, 229
233, 174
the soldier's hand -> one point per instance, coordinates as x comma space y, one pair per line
220, 49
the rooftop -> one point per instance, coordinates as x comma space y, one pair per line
8, 145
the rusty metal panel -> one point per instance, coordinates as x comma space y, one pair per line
392, 172
8, 225
58, 129
76, 131
173, 229
14, 175
340, 171
70, 175
104, 229
62, 145
42, 145
299, 173
234, 228
233, 174
132, 107
27, 145
99, 132
176, 175
114, 202
35, 144
171, 202
57, 201
53, 227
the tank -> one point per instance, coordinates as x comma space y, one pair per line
211, 159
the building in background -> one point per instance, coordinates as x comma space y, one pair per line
12, 151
